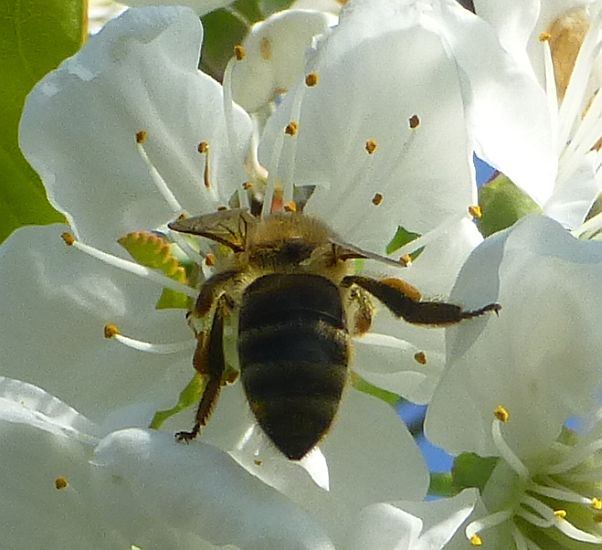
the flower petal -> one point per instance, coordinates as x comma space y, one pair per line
201, 7
80, 122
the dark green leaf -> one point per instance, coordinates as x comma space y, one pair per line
35, 36
190, 395
402, 237
364, 386
472, 470
268, 7
502, 204
442, 485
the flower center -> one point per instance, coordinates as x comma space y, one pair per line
555, 497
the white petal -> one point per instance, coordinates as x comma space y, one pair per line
201, 7
59, 300
199, 489
79, 125
373, 69
540, 358
275, 55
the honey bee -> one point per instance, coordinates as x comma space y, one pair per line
289, 285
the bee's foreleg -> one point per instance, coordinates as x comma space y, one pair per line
209, 361
403, 300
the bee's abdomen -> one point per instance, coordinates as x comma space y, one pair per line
294, 350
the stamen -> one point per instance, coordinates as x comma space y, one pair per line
544, 36
519, 539
239, 52
371, 146
533, 519
505, 451
112, 332
563, 494
290, 206
475, 211
475, 540
420, 358
492, 520
377, 199
312, 79
551, 91
159, 182
405, 260
210, 260
292, 128
130, 267
414, 121
60, 483
576, 457
567, 528
501, 413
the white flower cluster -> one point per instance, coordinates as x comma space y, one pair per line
368, 120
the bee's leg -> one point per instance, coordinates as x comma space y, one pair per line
403, 300
209, 361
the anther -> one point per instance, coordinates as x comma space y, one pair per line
210, 260
68, 238
258, 462
475, 540
265, 48
247, 185
239, 52
370, 146
222, 208
596, 503
414, 121
544, 36
501, 413
291, 128
405, 260
60, 483
111, 330
312, 79
420, 357
290, 206
560, 514
475, 211
377, 199
141, 136
203, 147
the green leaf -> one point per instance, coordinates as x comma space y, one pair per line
401, 238
153, 251
190, 395
502, 204
442, 485
223, 29
472, 470
35, 36
268, 7
364, 386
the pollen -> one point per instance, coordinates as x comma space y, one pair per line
560, 514
239, 52
596, 503
475, 540
111, 330
404, 287
60, 483
377, 199
475, 211
370, 146
312, 79
290, 206
501, 413
247, 185
406, 260
203, 147
544, 36
141, 136
68, 238
420, 357
414, 121
291, 128
265, 48
258, 462
210, 260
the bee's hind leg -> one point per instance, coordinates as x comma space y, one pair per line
210, 363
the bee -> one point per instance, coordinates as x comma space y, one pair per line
288, 284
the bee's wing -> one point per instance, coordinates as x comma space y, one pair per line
346, 251
228, 227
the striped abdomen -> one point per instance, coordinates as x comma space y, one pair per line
294, 350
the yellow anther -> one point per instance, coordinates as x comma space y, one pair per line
560, 514
68, 238
596, 503
258, 462
203, 147
60, 483
265, 48
501, 413
230, 377
239, 52
420, 357
111, 330
312, 79
290, 206
475, 540
414, 121
377, 199
291, 128
222, 208
544, 36
475, 211
210, 260
406, 260
141, 136
247, 185
370, 146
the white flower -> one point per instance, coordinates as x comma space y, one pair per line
201, 7
551, 151
513, 382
